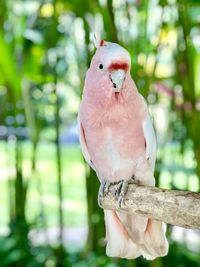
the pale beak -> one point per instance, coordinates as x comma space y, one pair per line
117, 77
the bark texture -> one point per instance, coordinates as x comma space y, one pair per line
174, 207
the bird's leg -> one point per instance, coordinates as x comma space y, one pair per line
103, 190
121, 191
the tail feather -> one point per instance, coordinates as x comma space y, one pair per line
134, 225
155, 243
129, 236
119, 243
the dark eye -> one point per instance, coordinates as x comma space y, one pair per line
101, 66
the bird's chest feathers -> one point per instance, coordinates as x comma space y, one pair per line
112, 130
111, 147
116, 116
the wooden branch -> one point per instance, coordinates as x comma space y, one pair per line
180, 208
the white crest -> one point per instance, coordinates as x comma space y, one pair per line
95, 39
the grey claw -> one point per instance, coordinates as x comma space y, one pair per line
121, 201
106, 187
121, 192
118, 190
100, 197
103, 191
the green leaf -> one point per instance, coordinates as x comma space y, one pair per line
8, 68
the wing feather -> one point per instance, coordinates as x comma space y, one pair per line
83, 143
150, 138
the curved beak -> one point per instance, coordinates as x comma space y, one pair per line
117, 77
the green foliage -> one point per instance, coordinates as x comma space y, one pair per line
12, 255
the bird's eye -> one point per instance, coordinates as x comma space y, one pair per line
101, 66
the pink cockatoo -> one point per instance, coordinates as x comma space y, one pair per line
118, 141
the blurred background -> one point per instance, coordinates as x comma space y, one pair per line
48, 196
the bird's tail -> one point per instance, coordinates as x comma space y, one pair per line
129, 236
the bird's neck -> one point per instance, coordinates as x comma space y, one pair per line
102, 95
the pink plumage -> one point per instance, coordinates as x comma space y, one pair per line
118, 141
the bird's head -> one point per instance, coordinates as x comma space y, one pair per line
109, 68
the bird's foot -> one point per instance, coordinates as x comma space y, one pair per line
122, 189
103, 191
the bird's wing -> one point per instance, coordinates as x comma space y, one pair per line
150, 138
83, 143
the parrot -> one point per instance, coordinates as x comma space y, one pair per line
118, 141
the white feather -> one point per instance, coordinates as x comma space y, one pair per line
83, 143
118, 244
150, 139
94, 39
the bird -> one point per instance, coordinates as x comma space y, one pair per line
118, 141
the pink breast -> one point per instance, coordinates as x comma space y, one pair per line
115, 147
